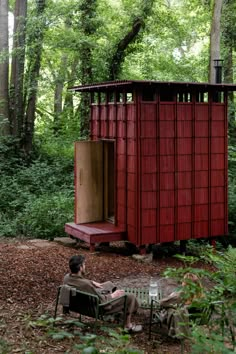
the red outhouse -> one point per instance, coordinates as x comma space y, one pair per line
155, 167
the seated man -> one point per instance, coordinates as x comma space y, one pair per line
105, 291
175, 307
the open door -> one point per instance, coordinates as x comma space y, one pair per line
88, 181
109, 181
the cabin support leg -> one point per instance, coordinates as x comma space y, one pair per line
92, 247
142, 250
183, 246
213, 243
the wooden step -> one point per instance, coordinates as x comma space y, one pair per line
93, 233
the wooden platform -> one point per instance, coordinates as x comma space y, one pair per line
93, 233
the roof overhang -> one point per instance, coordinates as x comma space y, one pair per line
134, 84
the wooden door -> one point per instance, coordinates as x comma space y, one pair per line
109, 181
88, 181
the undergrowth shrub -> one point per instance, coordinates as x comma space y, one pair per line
37, 197
218, 335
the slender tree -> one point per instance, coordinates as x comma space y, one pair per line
215, 37
17, 69
4, 68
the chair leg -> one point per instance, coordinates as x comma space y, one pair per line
57, 299
150, 321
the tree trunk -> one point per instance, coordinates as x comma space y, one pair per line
17, 72
88, 12
36, 40
215, 38
4, 68
119, 55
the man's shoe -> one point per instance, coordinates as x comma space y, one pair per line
135, 329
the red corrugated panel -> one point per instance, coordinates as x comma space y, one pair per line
120, 130
103, 112
184, 180
149, 182
167, 163
131, 216
201, 129
149, 164
149, 217
218, 178
218, 227
148, 129
201, 195
148, 112
167, 181
131, 181
217, 194
121, 165
120, 112
184, 214
201, 145
130, 129
130, 112
121, 179
131, 147
184, 231
184, 129
167, 216
131, 231
201, 212
201, 229
217, 211
184, 163
167, 199
218, 145
201, 179
103, 124
167, 233
184, 197
217, 128
167, 146
167, 129
148, 235
121, 195
218, 112
201, 112
131, 164
217, 161
120, 146
149, 200
112, 129
148, 147
201, 162
167, 111
184, 146
184, 111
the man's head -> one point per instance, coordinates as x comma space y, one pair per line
77, 264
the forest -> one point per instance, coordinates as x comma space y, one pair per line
49, 46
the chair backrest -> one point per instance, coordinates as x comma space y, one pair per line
84, 303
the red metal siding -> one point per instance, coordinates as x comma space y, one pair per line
171, 167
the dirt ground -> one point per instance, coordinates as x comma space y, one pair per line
31, 271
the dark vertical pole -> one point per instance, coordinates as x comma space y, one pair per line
218, 64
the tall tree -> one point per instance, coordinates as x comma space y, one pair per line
215, 37
35, 41
137, 23
17, 69
4, 68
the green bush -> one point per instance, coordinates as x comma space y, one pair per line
36, 198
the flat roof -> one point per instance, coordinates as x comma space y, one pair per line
131, 84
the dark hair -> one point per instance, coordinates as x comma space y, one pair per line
75, 263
